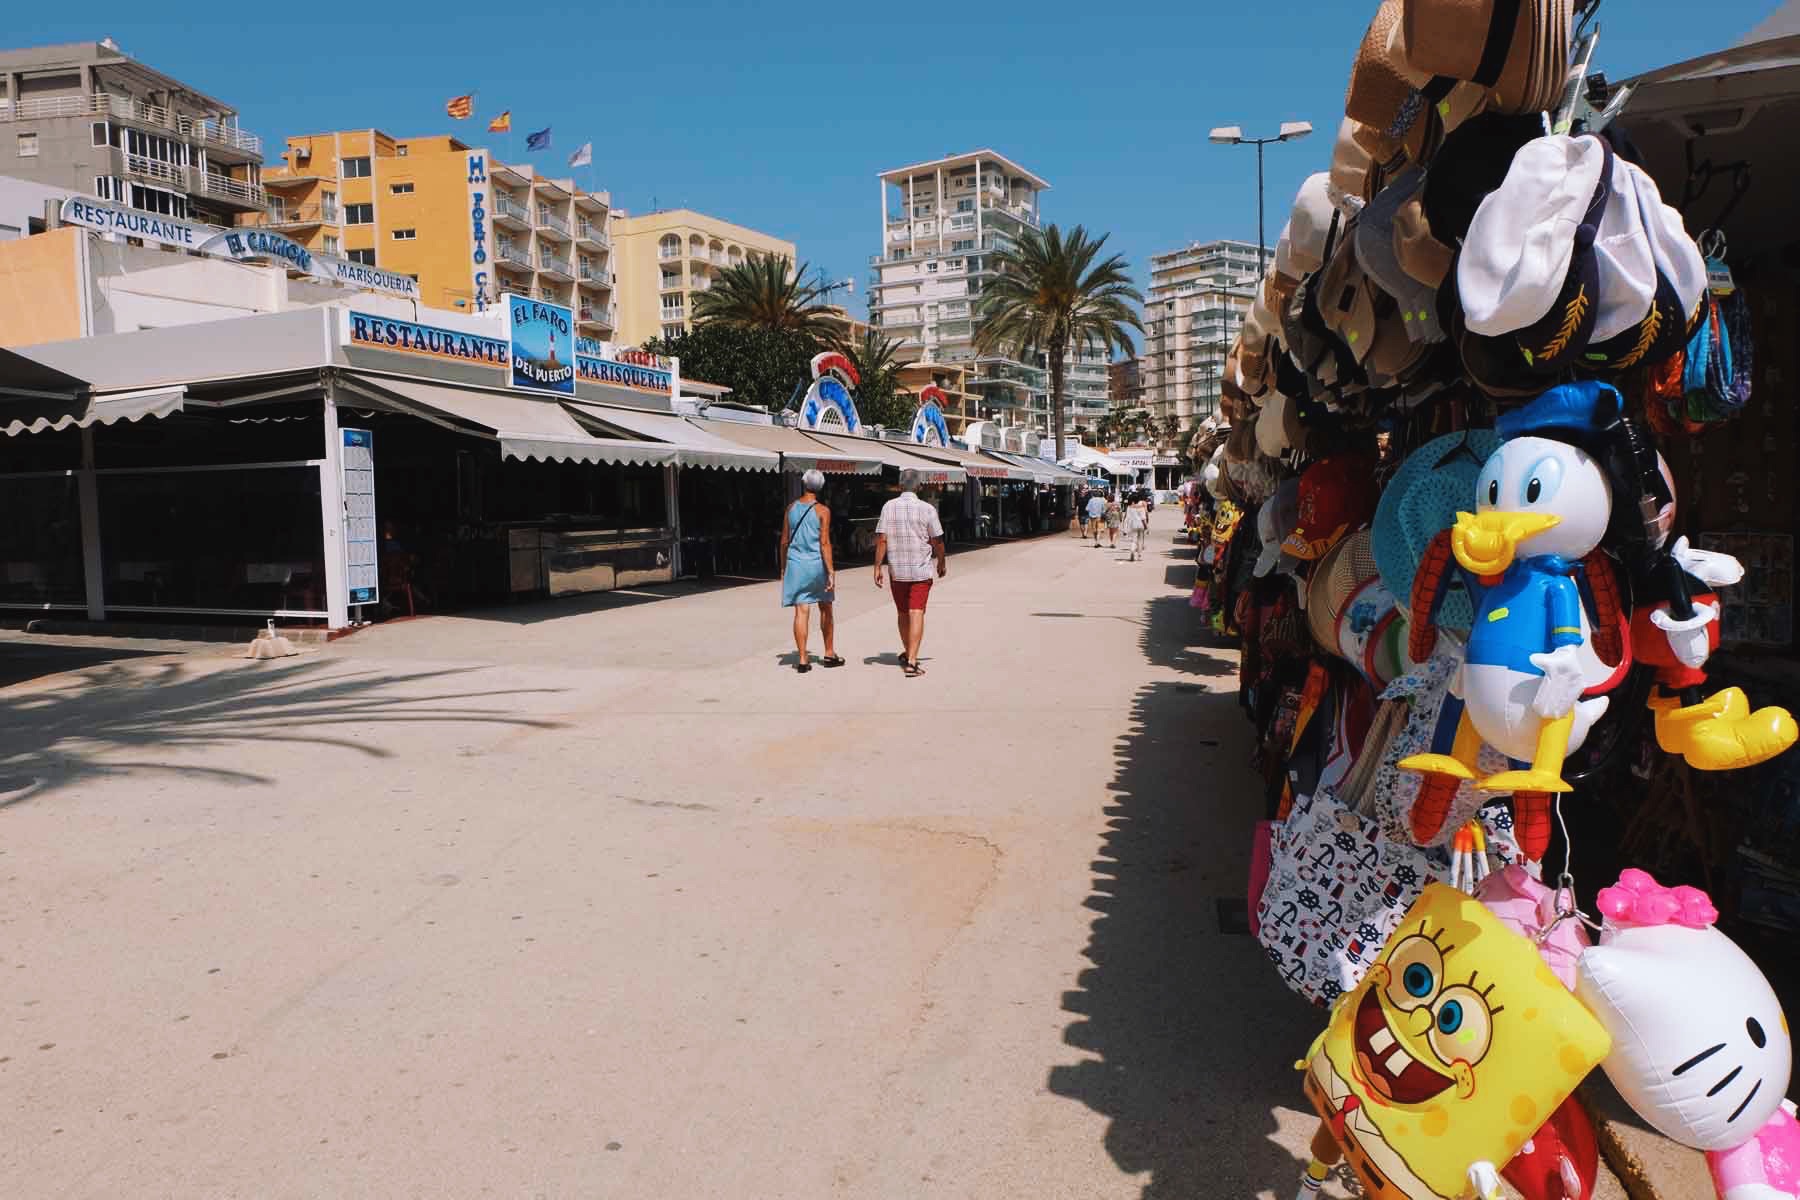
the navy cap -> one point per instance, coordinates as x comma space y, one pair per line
1581, 412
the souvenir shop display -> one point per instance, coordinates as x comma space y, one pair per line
1438, 516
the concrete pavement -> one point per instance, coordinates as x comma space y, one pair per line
601, 899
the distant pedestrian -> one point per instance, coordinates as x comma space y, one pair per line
808, 575
909, 540
1137, 525
1096, 508
1115, 516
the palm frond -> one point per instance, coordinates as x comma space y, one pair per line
766, 292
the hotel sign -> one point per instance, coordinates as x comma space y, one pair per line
427, 341
542, 344
480, 226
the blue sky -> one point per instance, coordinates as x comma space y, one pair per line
780, 115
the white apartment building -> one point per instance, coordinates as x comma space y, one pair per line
1195, 305
941, 223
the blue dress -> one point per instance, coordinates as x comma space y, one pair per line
803, 575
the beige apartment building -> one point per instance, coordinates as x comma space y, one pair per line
666, 259
1196, 302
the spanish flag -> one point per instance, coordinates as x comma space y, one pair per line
461, 107
501, 123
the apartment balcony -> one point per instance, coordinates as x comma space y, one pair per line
549, 223
1013, 212
295, 216
591, 235
593, 274
665, 253
593, 202
510, 214
604, 316
556, 268
508, 252
674, 314
233, 193
214, 135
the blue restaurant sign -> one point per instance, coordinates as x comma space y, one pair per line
543, 345
428, 341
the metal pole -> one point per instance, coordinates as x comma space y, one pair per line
1259, 208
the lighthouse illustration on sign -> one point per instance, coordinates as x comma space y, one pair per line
534, 329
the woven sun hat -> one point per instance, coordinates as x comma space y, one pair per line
1309, 226
1375, 249
1433, 484
1517, 48
1353, 614
1416, 249
1378, 90
1351, 164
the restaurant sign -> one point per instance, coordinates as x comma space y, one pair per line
542, 345
428, 341
618, 366
129, 222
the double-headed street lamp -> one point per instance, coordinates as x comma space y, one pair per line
1232, 135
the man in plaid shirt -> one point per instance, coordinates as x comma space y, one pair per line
909, 539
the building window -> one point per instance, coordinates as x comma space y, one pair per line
965, 206
968, 244
331, 244
365, 257
405, 235
400, 150
401, 189
28, 145
359, 214
103, 186
100, 133
356, 168
931, 268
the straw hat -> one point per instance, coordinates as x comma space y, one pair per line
1519, 49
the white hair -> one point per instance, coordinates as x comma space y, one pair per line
813, 480
909, 480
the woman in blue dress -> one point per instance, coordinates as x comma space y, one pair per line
808, 576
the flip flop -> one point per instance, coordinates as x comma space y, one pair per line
913, 670
831, 660
803, 668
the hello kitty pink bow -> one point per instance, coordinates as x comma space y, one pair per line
1637, 899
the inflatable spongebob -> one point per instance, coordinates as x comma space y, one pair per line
1456, 1047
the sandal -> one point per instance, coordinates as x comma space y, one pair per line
913, 670
831, 660
803, 668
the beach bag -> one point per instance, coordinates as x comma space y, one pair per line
1429, 727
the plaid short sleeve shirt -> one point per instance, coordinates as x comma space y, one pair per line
909, 524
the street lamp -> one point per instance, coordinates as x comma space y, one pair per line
1233, 135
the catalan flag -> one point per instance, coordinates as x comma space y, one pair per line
501, 123
461, 107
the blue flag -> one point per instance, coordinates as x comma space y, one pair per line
539, 140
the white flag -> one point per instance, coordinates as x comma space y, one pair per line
582, 157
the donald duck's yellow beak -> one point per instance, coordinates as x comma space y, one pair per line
1486, 544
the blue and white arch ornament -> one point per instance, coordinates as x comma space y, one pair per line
829, 404
929, 427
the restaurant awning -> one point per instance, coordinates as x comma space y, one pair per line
526, 427
37, 415
976, 466
1039, 469
24, 377
799, 450
695, 446
898, 455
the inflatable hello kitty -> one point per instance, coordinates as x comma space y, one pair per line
1700, 1048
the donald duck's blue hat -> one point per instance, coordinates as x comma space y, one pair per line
1583, 413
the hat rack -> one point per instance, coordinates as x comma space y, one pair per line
1700, 178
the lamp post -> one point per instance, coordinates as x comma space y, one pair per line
1233, 135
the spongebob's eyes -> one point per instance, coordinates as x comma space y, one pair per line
1461, 1026
1415, 969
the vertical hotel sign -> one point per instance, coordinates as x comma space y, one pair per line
361, 575
541, 338
481, 228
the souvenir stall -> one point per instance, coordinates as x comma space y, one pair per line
1477, 586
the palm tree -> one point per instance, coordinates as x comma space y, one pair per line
766, 292
1050, 293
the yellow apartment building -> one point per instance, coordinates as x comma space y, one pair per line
465, 225
667, 258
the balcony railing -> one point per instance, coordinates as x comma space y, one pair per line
546, 218
550, 262
295, 215
513, 254
596, 314
105, 104
505, 206
209, 184
587, 231
589, 273
674, 314
667, 252
157, 169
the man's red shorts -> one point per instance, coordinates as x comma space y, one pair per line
910, 595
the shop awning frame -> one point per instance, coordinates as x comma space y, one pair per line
976, 466
695, 445
799, 451
105, 409
899, 455
526, 427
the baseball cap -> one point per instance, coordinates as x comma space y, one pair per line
1309, 227
1376, 251
1337, 496
1273, 521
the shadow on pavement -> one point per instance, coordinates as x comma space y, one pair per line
67, 735
1189, 1031
1172, 633
21, 662
533, 612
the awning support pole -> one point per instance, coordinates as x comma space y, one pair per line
672, 497
92, 565
331, 513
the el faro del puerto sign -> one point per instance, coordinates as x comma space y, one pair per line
542, 338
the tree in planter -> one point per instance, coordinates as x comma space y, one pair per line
1104, 427
766, 292
1051, 293
760, 366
